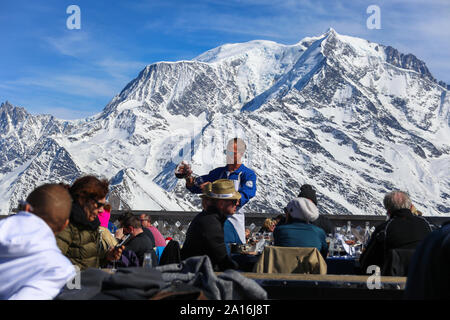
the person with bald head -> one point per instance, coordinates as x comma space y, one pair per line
31, 265
402, 230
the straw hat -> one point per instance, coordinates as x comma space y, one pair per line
221, 189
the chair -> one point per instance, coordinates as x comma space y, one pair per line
290, 260
396, 262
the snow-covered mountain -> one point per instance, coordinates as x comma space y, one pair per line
353, 118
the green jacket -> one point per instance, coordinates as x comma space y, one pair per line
82, 244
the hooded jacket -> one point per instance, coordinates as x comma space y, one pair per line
31, 265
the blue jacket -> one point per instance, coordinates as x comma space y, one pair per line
247, 185
300, 234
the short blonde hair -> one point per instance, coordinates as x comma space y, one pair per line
268, 223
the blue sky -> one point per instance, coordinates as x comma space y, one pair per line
72, 74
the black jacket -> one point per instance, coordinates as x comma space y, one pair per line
429, 272
149, 234
403, 230
140, 245
205, 237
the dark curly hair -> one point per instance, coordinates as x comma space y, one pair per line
89, 187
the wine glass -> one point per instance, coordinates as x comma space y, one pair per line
147, 263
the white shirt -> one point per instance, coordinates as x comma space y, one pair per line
238, 218
31, 265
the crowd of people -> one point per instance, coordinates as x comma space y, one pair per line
61, 229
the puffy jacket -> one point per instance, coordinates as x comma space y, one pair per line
81, 241
297, 233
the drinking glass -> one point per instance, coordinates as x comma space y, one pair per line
337, 241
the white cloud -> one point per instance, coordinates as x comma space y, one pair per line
73, 43
75, 85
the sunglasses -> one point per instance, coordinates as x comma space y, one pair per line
229, 153
99, 204
233, 202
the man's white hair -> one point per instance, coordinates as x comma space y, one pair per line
396, 200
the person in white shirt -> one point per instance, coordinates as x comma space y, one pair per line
32, 266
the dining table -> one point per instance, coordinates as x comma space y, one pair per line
338, 265
343, 265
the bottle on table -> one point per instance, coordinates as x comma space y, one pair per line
147, 263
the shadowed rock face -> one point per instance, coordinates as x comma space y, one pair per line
354, 119
407, 61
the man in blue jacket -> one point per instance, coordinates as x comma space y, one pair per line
244, 181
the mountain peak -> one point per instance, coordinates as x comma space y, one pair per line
6, 105
330, 31
16, 113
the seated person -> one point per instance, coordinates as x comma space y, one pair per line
139, 242
80, 240
298, 231
429, 276
247, 235
31, 265
307, 191
124, 216
268, 226
157, 236
403, 230
105, 215
205, 235
118, 234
